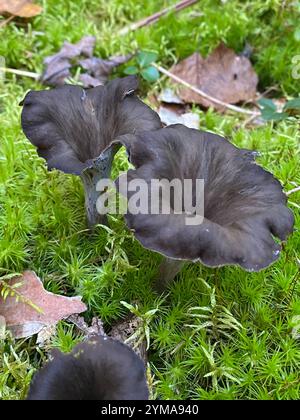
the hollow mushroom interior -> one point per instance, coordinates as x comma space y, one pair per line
244, 205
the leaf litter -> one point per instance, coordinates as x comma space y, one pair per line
223, 75
97, 70
46, 308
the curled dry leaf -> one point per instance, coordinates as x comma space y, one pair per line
222, 75
23, 320
89, 81
21, 8
57, 66
99, 69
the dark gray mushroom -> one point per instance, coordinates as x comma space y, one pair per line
71, 128
99, 369
244, 207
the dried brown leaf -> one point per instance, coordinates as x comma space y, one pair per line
222, 75
20, 8
23, 320
57, 66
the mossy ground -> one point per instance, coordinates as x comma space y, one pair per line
43, 227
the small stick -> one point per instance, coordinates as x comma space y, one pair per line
203, 94
4, 22
293, 191
20, 72
156, 16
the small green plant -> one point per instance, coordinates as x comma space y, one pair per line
143, 332
215, 319
143, 66
217, 372
66, 337
16, 368
270, 112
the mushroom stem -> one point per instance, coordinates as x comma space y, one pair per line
167, 271
100, 169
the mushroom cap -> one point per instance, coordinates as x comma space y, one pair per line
99, 369
71, 126
244, 205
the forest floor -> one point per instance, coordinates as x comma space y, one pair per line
42, 217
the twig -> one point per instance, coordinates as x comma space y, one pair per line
20, 72
4, 22
156, 16
293, 191
203, 94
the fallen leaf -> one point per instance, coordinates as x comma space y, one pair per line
23, 320
89, 81
57, 66
20, 8
222, 75
170, 116
99, 69
57, 71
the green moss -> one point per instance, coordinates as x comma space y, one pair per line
42, 220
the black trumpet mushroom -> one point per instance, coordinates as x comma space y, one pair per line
244, 207
72, 128
98, 369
